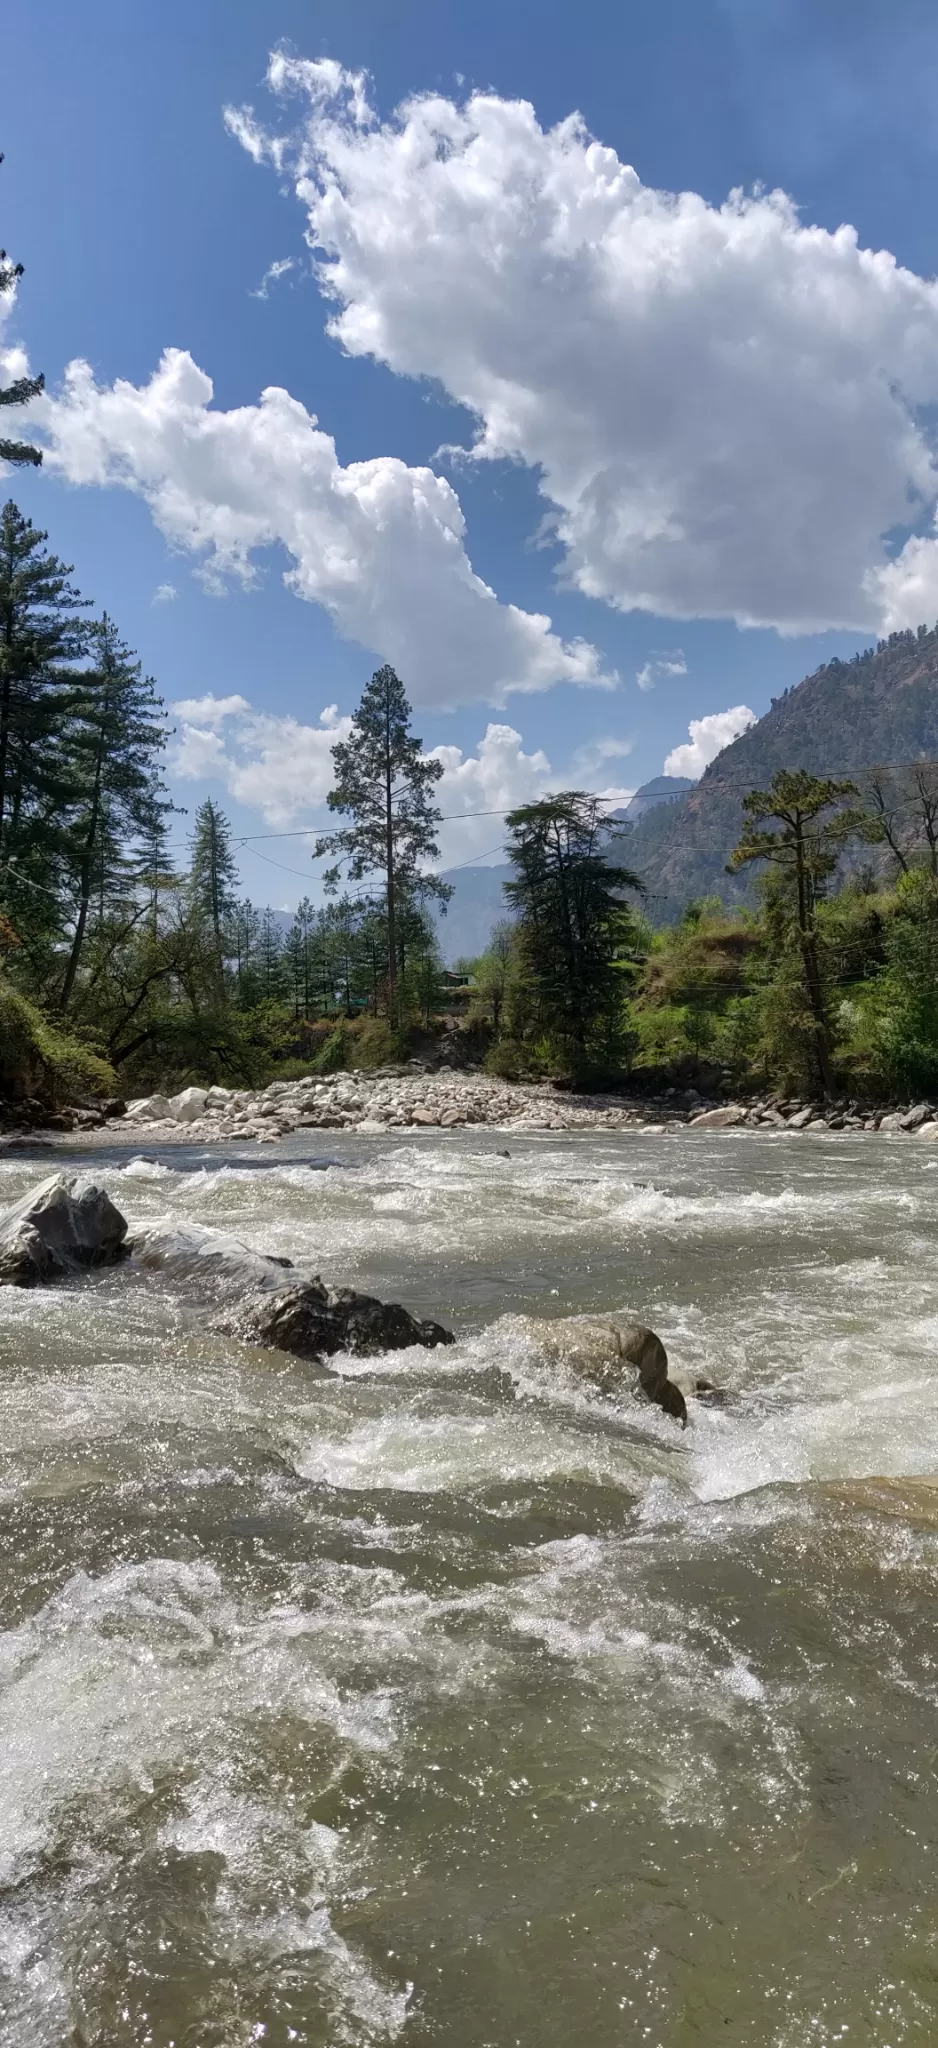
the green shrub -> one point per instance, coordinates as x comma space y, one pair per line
38, 1059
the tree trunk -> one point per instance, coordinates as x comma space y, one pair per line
812, 973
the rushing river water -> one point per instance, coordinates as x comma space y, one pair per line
443, 1702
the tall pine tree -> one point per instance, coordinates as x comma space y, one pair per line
43, 644
114, 741
384, 783
213, 875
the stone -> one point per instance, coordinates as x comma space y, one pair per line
150, 1109
450, 1117
914, 1118
730, 1114
188, 1106
800, 1120
892, 1122
424, 1116
773, 1119
928, 1131
186, 1251
315, 1322
65, 1223
601, 1350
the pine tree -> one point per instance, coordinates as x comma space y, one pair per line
213, 875
270, 956
22, 389
43, 643
384, 783
245, 926
115, 736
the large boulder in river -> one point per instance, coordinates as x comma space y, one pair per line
189, 1252
315, 1322
606, 1351
65, 1223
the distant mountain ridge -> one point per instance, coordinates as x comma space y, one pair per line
848, 716
662, 789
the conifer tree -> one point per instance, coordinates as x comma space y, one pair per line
270, 956
114, 739
21, 389
568, 897
813, 826
43, 644
384, 783
213, 875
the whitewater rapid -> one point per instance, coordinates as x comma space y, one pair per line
448, 1700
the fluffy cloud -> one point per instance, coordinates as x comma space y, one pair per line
708, 737
727, 409
273, 764
380, 545
283, 769
670, 661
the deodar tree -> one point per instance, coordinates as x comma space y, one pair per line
384, 784
569, 898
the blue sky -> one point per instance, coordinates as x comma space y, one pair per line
748, 435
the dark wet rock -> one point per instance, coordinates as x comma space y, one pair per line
316, 1322
66, 1223
714, 1397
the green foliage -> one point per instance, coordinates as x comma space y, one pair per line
333, 1054
573, 926
903, 1004
384, 783
37, 1059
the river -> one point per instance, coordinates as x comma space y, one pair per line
444, 1702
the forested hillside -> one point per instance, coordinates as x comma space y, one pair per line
844, 720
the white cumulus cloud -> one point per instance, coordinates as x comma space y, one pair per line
283, 768
726, 408
708, 737
379, 544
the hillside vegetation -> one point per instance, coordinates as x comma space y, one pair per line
844, 720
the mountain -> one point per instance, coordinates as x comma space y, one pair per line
879, 708
475, 905
662, 789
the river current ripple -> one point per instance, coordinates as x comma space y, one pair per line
444, 1702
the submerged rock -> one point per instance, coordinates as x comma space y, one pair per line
67, 1222
602, 1350
315, 1322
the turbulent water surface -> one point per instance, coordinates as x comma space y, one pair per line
441, 1702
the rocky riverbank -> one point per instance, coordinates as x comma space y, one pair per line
398, 1099
415, 1098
